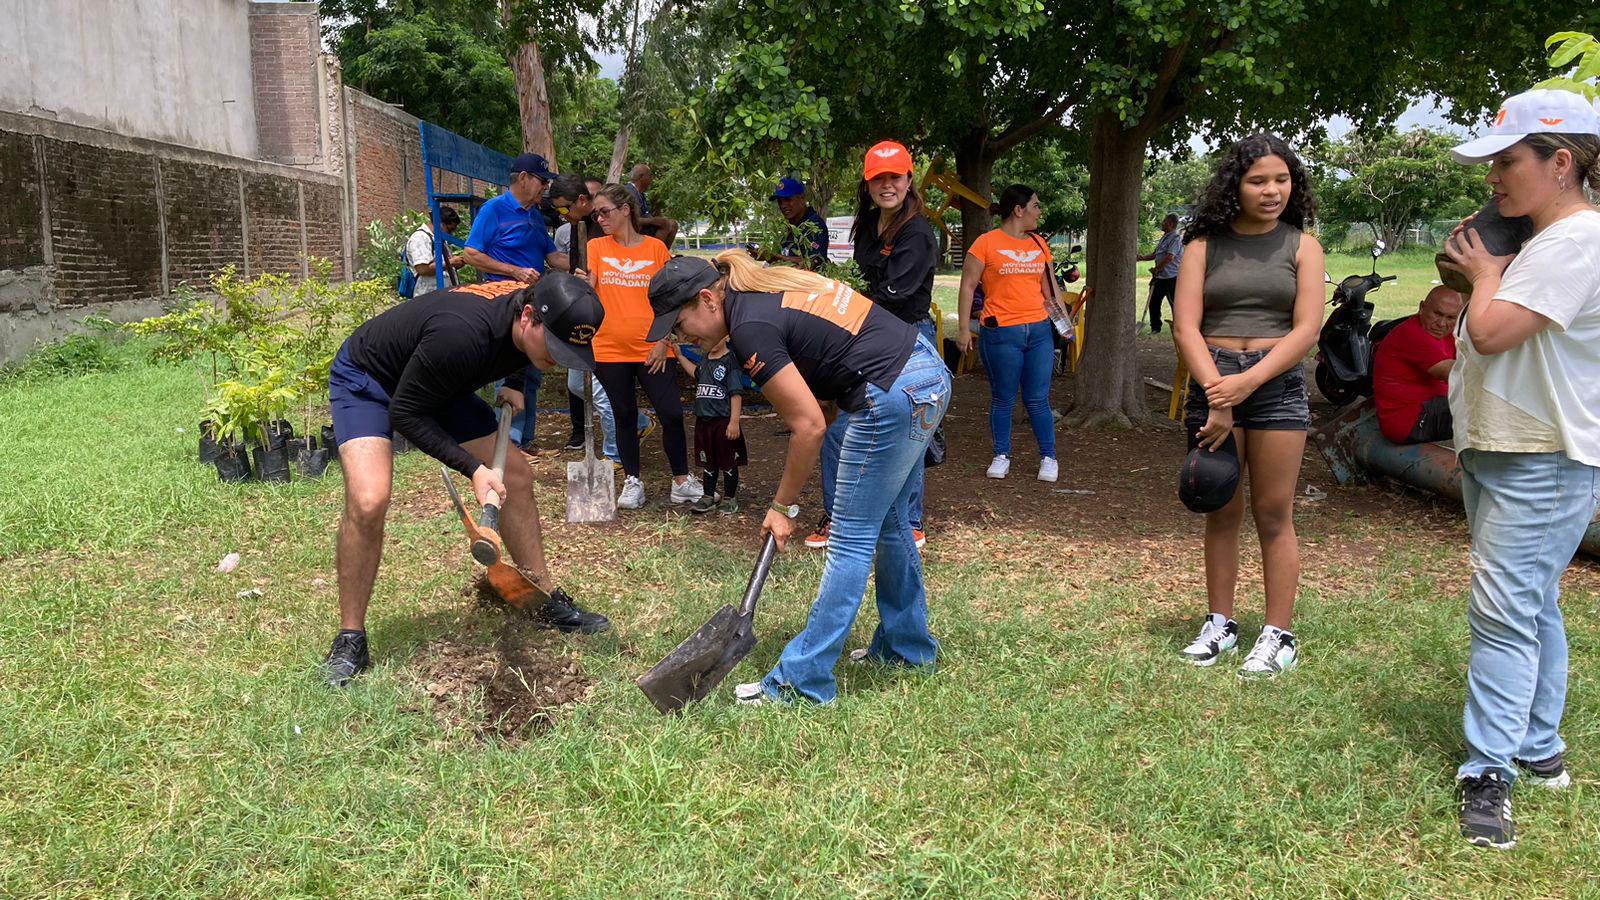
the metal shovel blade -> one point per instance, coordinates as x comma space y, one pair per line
591, 495
591, 485
695, 668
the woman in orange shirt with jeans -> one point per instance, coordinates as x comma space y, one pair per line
620, 266
1016, 341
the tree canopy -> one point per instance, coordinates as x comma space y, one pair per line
1391, 180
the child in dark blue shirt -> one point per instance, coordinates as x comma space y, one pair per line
718, 441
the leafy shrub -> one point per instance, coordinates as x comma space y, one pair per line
78, 354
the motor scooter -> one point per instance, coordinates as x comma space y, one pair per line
1344, 347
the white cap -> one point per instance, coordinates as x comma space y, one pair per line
1531, 112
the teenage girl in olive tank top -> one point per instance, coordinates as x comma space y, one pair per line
1247, 311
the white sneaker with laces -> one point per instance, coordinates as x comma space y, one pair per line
632, 495
1049, 469
1000, 466
688, 492
1273, 655
1218, 635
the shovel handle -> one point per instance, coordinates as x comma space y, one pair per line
758, 578
490, 517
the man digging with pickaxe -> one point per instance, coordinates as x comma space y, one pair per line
415, 369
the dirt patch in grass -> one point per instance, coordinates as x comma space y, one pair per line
513, 688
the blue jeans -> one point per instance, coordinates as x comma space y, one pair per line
1019, 356
602, 405
834, 439
1527, 513
883, 446
522, 427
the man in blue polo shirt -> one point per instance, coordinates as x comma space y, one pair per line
509, 241
807, 243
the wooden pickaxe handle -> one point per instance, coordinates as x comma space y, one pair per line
486, 549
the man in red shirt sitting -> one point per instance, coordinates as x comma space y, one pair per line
1411, 372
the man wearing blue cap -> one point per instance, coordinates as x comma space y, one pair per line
509, 241
807, 243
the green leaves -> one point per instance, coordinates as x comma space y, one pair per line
1581, 51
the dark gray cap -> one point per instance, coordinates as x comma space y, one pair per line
671, 289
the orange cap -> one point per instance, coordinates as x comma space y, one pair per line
886, 156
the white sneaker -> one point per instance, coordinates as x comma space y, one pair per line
1000, 466
632, 496
858, 655
688, 492
1218, 635
751, 694
1273, 655
1049, 470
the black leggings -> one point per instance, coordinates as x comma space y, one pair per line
661, 389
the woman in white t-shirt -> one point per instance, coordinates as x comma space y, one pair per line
1525, 394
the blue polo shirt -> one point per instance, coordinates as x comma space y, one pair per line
505, 232
811, 241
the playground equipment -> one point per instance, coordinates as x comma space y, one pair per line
1356, 451
953, 190
450, 152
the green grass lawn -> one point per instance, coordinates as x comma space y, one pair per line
164, 736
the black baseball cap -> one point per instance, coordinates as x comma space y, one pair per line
671, 289
572, 315
534, 165
1209, 478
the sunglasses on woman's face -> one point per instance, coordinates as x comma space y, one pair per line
601, 212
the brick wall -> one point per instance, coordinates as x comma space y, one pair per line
388, 161
21, 236
204, 221
105, 223
91, 221
272, 224
283, 64
324, 224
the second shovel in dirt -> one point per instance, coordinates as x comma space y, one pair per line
591, 482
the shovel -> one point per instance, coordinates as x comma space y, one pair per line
591, 485
695, 668
484, 535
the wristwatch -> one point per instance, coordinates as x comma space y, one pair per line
792, 510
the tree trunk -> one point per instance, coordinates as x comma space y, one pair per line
533, 99
1109, 389
619, 153
975, 168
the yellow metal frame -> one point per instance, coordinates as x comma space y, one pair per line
1180, 386
946, 181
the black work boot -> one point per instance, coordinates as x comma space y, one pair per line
562, 614
347, 659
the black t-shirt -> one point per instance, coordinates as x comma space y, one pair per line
900, 275
717, 382
431, 351
838, 340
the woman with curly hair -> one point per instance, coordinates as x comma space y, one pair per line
1247, 311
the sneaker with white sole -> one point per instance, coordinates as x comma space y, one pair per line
999, 467
632, 495
1550, 774
1218, 635
752, 694
1049, 470
688, 492
1486, 812
1274, 654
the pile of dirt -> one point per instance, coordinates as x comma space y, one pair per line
514, 688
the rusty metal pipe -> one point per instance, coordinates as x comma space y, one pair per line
1355, 450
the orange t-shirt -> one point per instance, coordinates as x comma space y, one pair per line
622, 279
1013, 282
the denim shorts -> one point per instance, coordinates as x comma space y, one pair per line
1279, 405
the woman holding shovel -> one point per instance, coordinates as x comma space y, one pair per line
805, 340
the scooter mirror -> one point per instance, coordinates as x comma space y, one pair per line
1327, 278
1077, 248
1377, 249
